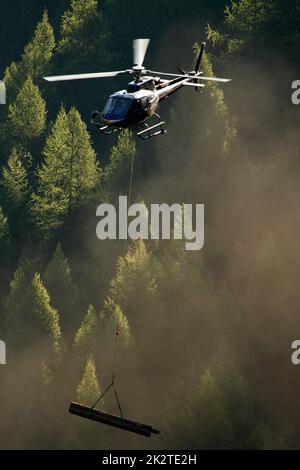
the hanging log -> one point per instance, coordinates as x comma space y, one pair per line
111, 420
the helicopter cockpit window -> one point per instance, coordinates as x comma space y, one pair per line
117, 108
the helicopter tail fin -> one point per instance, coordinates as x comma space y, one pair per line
198, 63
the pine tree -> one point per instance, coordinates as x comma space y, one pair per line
219, 128
116, 321
35, 60
83, 34
4, 230
68, 174
137, 271
27, 115
14, 306
117, 172
84, 336
63, 292
201, 421
15, 179
89, 390
246, 16
262, 438
4, 237
44, 315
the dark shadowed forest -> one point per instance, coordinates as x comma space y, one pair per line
205, 337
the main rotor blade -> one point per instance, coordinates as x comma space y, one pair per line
83, 76
197, 76
139, 51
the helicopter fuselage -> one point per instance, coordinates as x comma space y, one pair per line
133, 106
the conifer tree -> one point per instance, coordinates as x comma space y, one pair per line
116, 321
89, 390
68, 174
134, 297
262, 438
27, 115
84, 336
63, 292
44, 315
4, 237
35, 60
83, 34
201, 421
28, 314
117, 172
15, 304
219, 129
15, 179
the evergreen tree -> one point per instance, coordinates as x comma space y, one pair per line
83, 34
27, 115
118, 171
14, 305
4, 237
262, 438
85, 334
68, 174
63, 292
28, 315
89, 390
44, 315
117, 322
35, 60
221, 128
247, 16
15, 179
201, 422
137, 271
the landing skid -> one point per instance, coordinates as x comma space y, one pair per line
109, 130
106, 130
151, 131
144, 130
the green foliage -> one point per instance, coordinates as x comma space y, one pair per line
118, 323
15, 180
44, 313
88, 390
13, 305
83, 33
27, 115
35, 60
4, 235
220, 122
4, 230
263, 23
217, 417
59, 283
247, 17
68, 173
262, 438
28, 314
84, 336
201, 419
117, 172
136, 272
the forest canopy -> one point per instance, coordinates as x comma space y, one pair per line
204, 337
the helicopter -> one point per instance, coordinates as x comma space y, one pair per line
135, 107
